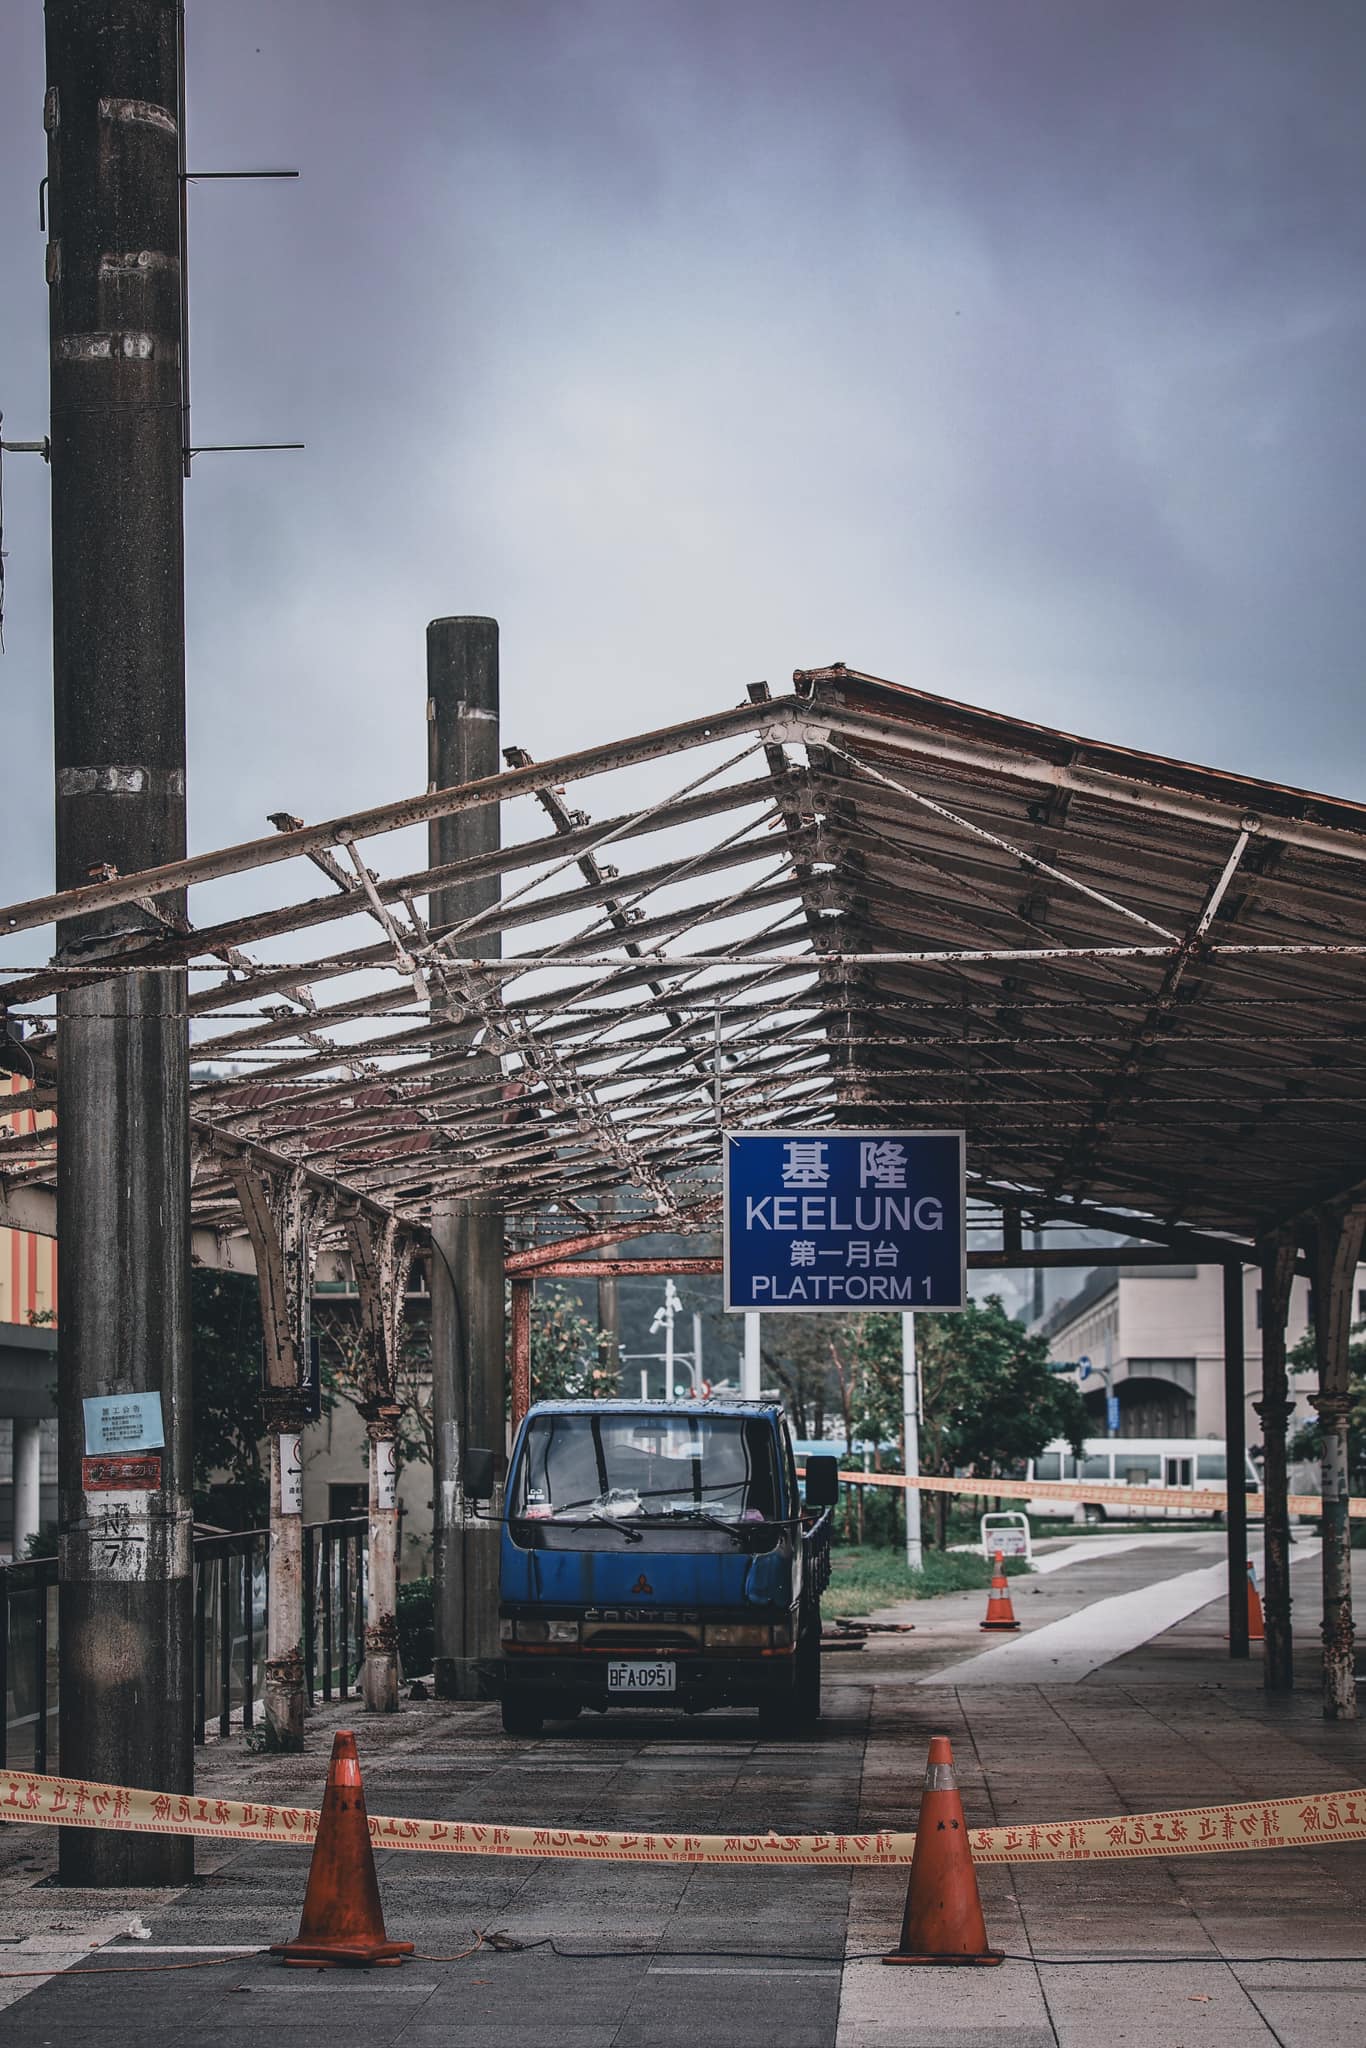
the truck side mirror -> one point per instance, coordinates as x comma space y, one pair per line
478, 1475
822, 1482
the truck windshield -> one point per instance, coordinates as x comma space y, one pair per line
614, 1467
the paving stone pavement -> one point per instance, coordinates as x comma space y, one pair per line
722, 1956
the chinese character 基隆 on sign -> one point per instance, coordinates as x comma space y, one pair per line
841, 1220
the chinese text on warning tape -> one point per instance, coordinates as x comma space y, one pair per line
1195, 1831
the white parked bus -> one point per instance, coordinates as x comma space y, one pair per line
1138, 1462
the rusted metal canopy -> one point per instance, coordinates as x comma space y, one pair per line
1135, 982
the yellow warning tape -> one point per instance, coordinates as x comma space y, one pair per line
1176, 1498
1191, 1831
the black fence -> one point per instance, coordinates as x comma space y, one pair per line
28, 1663
229, 1634
336, 1565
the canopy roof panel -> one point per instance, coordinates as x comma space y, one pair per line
1136, 983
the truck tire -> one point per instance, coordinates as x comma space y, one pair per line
778, 1720
521, 1714
808, 1699
796, 1713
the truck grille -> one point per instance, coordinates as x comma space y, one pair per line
641, 1635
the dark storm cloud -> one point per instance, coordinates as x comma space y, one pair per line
1011, 349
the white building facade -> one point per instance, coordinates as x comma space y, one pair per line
1157, 1332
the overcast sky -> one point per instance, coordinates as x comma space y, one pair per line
1012, 348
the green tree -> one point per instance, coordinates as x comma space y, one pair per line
567, 1351
1308, 1442
989, 1398
341, 1352
225, 1362
810, 1358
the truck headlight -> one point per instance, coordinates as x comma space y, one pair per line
737, 1635
539, 1631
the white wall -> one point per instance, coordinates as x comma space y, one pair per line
1150, 1315
336, 1453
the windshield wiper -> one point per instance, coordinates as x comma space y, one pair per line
702, 1517
631, 1534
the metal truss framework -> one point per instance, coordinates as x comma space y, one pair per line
1137, 984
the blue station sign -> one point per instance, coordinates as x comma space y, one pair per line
840, 1220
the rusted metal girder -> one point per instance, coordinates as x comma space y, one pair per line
701, 1216
520, 1334
930, 850
174, 876
603, 883
961, 735
214, 940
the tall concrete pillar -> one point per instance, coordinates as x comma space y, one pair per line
1235, 1433
1334, 1244
381, 1257
28, 1519
112, 113
283, 1216
1274, 1411
468, 1367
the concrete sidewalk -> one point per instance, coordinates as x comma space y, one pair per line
1027, 1753
658, 1956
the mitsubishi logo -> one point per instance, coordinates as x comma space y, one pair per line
642, 1585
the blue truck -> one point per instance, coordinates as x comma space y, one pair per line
662, 1554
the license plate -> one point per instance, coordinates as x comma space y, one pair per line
640, 1678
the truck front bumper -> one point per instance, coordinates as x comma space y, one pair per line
700, 1682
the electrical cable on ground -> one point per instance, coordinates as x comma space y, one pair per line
507, 1945
136, 1969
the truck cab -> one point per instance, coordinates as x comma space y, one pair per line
661, 1554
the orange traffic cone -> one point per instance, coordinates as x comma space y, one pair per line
1256, 1627
342, 1919
943, 1921
1000, 1613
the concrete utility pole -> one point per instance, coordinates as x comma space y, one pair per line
112, 114
467, 1243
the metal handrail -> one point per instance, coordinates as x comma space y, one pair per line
229, 1629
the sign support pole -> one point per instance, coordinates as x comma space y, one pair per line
751, 1372
910, 1428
